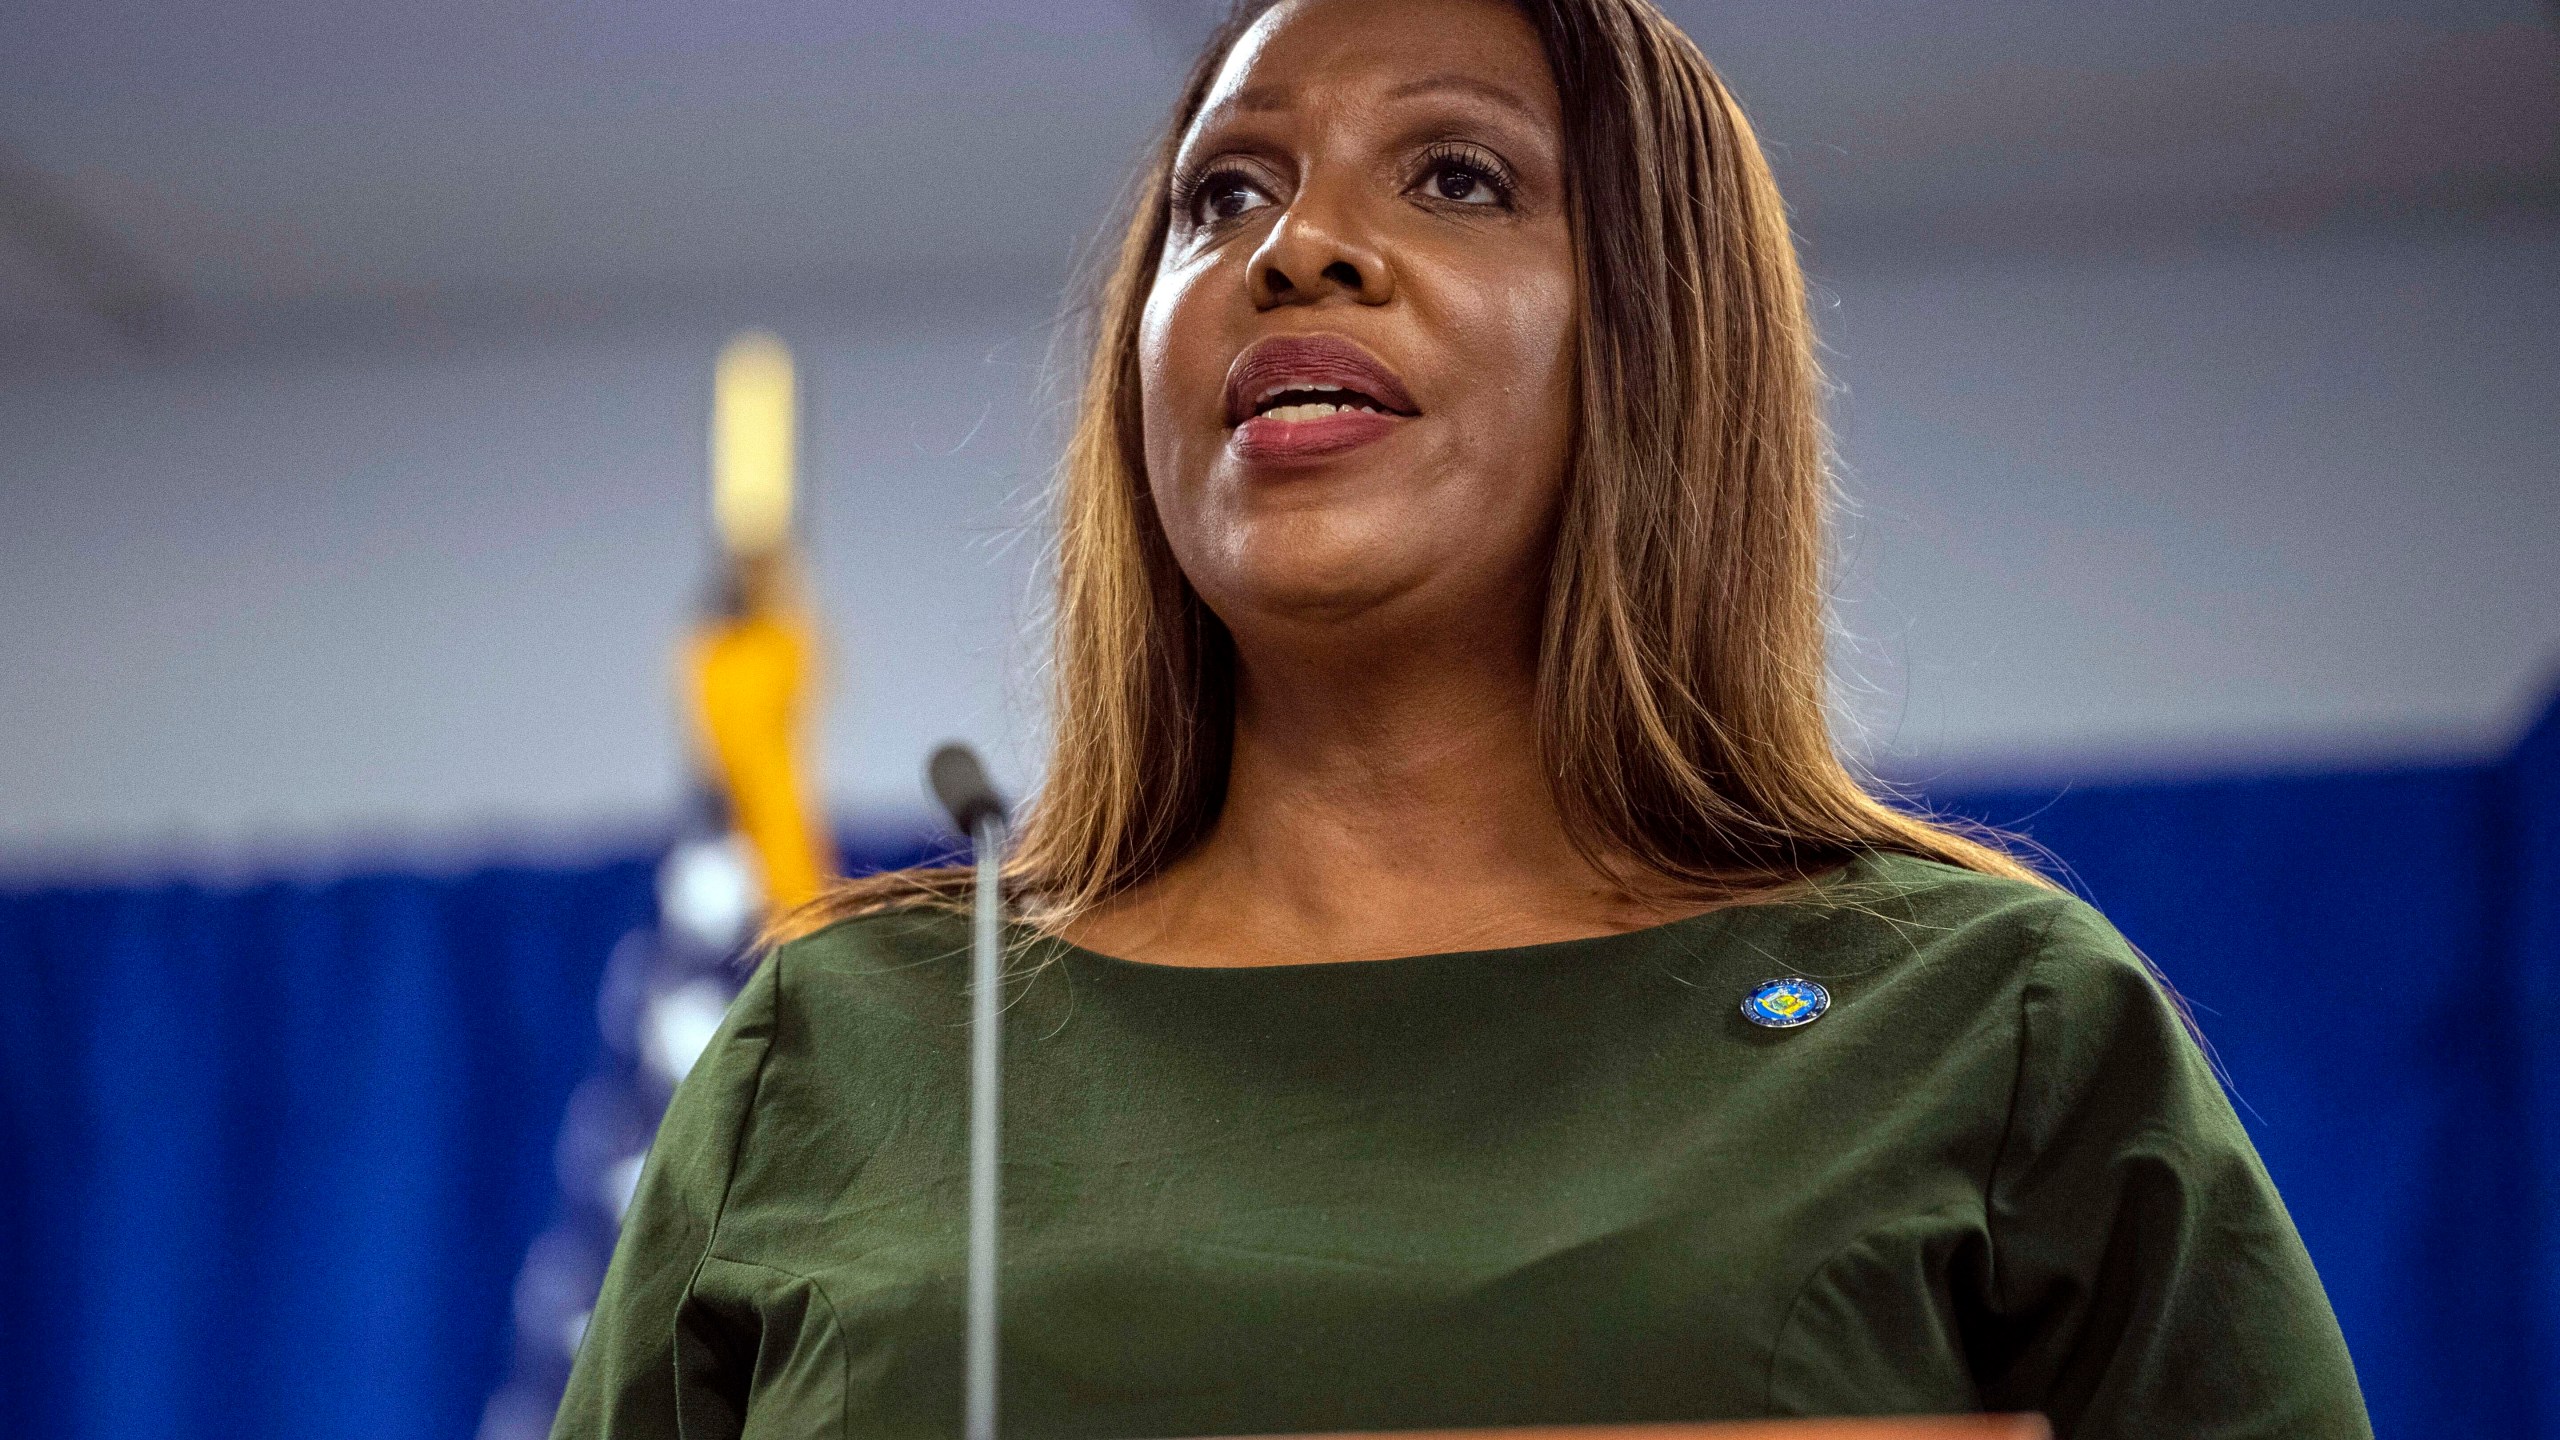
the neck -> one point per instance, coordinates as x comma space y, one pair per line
1376, 805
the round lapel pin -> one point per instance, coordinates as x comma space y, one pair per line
1787, 1003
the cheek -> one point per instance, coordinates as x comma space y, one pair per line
1180, 387
1519, 341
1534, 323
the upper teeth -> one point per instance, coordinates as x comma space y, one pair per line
1310, 409
1313, 410
1265, 397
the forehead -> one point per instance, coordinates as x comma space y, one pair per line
1321, 55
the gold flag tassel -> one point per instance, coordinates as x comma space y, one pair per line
752, 663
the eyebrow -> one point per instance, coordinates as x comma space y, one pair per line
1275, 97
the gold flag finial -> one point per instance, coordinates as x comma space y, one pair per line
755, 435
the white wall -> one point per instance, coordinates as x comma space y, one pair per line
2292, 498
2278, 500
290, 599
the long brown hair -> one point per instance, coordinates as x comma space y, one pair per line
1681, 687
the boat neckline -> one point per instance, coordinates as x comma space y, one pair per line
1640, 937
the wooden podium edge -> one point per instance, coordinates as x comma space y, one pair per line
1916, 1427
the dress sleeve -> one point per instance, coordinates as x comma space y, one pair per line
2146, 1278
624, 1383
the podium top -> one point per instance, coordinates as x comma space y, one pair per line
1893, 1428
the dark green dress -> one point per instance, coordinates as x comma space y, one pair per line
1556, 1183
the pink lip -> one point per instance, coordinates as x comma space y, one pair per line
1305, 360
1269, 440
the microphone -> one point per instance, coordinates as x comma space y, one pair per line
959, 781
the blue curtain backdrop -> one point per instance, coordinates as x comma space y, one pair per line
272, 1153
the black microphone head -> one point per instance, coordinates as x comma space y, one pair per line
961, 784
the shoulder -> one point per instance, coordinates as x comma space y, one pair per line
911, 960
1922, 892
2096, 1042
890, 935
2070, 964
804, 991
2100, 1038
1944, 957
1900, 911
817, 1056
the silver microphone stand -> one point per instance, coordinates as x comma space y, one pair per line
960, 783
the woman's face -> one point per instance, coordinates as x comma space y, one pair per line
1358, 353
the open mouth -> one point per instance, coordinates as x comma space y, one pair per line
1292, 403
1297, 379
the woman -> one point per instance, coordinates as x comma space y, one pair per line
1439, 774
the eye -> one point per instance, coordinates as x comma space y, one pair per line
1456, 182
1222, 195
1464, 175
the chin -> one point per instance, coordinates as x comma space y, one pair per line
1314, 568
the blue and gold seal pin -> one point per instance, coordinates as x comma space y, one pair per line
1786, 1004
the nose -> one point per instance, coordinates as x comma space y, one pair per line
1316, 251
